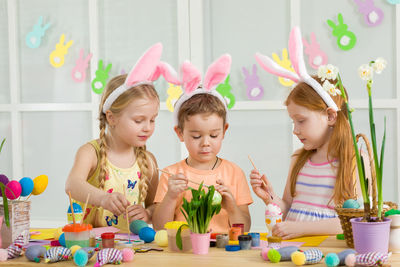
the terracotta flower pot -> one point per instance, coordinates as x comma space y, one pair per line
371, 236
200, 243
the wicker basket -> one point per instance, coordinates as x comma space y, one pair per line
346, 214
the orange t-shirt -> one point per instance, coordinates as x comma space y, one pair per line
227, 171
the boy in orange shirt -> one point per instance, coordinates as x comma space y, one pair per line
200, 119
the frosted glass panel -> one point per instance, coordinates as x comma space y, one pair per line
40, 81
164, 143
6, 153
50, 142
390, 179
129, 27
372, 42
242, 29
4, 61
267, 137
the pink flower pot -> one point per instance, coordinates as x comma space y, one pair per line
370, 236
200, 243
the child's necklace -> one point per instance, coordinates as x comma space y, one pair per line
215, 164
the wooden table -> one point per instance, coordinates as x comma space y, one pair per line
216, 257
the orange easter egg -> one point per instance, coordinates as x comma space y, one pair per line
40, 184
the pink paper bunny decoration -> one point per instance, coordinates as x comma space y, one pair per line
297, 59
373, 15
191, 79
254, 89
79, 71
146, 70
316, 57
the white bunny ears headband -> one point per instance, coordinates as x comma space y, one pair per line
191, 79
297, 59
146, 70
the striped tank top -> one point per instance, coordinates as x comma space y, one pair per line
314, 190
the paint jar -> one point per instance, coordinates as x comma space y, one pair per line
244, 242
241, 226
92, 239
255, 239
222, 240
234, 233
274, 242
107, 240
77, 234
172, 228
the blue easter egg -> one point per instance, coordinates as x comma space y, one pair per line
136, 225
35, 252
81, 257
147, 234
27, 186
77, 208
61, 239
351, 204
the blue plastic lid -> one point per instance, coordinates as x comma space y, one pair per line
232, 247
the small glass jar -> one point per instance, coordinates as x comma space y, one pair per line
241, 226
234, 233
107, 240
255, 239
222, 240
274, 242
244, 242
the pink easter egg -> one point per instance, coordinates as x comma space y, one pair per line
13, 190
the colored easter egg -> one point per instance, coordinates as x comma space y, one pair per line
217, 198
4, 180
78, 213
62, 240
147, 234
161, 238
351, 204
27, 186
136, 225
13, 190
40, 184
35, 252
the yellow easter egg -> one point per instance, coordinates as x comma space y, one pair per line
40, 184
161, 238
57, 233
74, 248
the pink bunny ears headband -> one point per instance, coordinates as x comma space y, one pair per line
191, 79
297, 59
146, 70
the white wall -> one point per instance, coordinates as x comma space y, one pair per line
46, 116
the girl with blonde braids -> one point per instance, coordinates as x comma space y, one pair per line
116, 169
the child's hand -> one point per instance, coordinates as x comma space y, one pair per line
177, 184
138, 212
287, 230
115, 202
228, 201
262, 191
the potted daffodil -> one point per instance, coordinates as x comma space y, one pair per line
198, 213
370, 233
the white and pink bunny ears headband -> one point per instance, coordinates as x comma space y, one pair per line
146, 70
297, 59
191, 79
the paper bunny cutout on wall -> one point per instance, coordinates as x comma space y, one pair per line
316, 57
174, 92
346, 39
254, 89
34, 38
100, 80
297, 59
225, 89
79, 71
373, 15
191, 79
57, 56
146, 70
285, 63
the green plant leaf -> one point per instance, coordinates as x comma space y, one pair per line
5, 205
2, 143
178, 237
